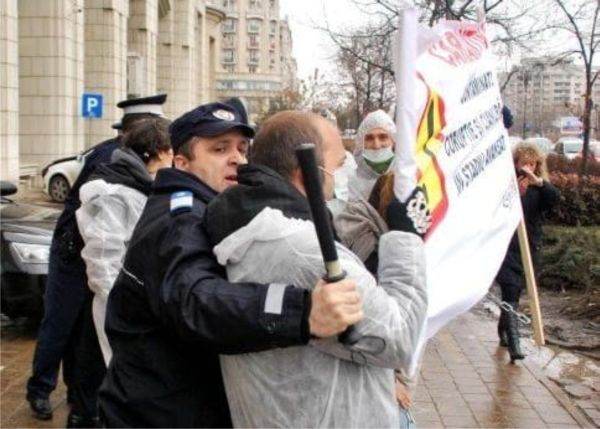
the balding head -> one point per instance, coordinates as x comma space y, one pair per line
275, 145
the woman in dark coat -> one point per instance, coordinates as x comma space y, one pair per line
538, 196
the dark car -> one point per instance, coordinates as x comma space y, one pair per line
25, 237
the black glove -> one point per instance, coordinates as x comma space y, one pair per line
411, 216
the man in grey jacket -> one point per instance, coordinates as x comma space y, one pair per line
263, 232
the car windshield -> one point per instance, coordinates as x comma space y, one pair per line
573, 146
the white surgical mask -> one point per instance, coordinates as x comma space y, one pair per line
379, 160
340, 183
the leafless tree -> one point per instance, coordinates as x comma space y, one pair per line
583, 26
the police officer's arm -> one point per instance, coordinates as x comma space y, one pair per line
196, 301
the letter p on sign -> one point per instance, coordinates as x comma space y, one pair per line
91, 105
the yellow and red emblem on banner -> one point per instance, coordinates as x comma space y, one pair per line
429, 142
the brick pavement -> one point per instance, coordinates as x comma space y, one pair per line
466, 380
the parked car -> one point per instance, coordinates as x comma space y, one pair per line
60, 175
25, 237
568, 146
544, 144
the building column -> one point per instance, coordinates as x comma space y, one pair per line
142, 35
175, 62
105, 62
165, 61
9, 91
212, 49
50, 79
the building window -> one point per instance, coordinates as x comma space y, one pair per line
229, 4
253, 56
229, 25
254, 5
252, 69
254, 26
228, 56
229, 68
272, 27
228, 40
253, 41
272, 43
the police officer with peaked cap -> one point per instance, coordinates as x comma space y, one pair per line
171, 311
67, 333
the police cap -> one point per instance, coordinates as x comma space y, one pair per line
152, 105
207, 120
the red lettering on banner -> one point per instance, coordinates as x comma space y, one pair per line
461, 46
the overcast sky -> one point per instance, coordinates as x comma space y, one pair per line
312, 48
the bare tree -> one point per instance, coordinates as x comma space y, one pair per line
579, 15
372, 86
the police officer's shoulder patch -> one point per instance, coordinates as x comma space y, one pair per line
181, 201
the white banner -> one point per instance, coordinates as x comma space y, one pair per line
462, 156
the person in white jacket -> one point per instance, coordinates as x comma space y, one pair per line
373, 152
111, 204
264, 232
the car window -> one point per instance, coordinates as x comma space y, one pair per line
573, 147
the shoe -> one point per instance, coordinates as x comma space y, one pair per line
512, 334
78, 421
502, 329
41, 408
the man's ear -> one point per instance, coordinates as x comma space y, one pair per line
297, 180
180, 162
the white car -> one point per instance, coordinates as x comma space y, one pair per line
544, 144
60, 175
569, 147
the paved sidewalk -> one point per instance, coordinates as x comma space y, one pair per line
466, 380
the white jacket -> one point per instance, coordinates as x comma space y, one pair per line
106, 219
361, 183
319, 385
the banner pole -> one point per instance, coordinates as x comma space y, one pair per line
534, 302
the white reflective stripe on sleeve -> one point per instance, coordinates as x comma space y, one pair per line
274, 300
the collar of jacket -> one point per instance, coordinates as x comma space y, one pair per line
126, 168
169, 180
258, 187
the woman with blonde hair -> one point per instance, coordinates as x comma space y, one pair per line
538, 196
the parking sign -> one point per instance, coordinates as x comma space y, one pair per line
91, 105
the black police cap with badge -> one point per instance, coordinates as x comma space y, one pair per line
207, 120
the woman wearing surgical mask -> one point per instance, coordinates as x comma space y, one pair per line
374, 153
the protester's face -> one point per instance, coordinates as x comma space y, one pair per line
527, 163
333, 155
216, 159
377, 138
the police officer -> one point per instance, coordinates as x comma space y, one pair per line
66, 332
171, 311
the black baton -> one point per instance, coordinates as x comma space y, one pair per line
314, 193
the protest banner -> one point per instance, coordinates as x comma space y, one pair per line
446, 79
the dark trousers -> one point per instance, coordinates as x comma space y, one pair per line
67, 334
511, 292
63, 302
89, 368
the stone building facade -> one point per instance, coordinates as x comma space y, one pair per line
54, 51
541, 91
256, 53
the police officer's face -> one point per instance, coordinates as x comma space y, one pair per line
216, 159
